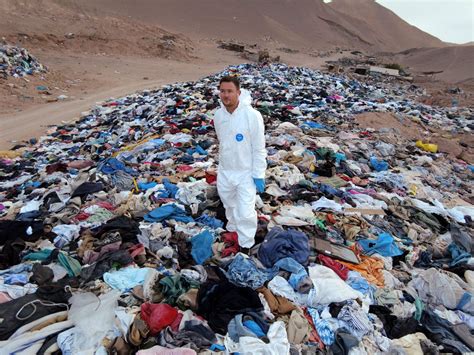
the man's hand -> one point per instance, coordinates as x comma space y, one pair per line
260, 184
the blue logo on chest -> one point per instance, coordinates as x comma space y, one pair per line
239, 137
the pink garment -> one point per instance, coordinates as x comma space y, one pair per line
362, 192
159, 350
91, 256
137, 249
4, 298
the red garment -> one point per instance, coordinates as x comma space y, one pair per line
137, 249
330, 218
344, 177
341, 270
158, 316
82, 216
313, 335
231, 241
175, 325
106, 205
210, 178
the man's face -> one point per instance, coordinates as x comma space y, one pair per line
229, 94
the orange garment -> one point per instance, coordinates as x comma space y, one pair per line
369, 267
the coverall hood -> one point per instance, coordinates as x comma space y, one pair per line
245, 99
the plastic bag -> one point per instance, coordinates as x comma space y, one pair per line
93, 317
428, 147
378, 165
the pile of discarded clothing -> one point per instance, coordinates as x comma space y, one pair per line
18, 62
113, 236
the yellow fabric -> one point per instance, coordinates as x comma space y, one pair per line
10, 154
133, 146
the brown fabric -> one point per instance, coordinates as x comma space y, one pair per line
87, 243
138, 331
120, 347
278, 305
292, 159
59, 318
298, 328
351, 226
188, 300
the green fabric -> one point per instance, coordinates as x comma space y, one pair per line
101, 216
323, 152
72, 266
175, 286
264, 110
334, 181
420, 306
39, 255
320, 224
305, 183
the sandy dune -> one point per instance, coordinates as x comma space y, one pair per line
304, 23
456, 63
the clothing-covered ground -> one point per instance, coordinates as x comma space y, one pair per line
17, 62
113, 238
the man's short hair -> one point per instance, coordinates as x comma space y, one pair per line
230, 79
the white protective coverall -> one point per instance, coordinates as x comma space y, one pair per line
242, 157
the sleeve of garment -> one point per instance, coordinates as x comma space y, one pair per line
259, 153
216, 124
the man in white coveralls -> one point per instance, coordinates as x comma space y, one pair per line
242, 158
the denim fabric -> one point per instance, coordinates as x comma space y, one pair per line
111, 165
299, 278
243, 271
210, 221
236, 329
458, 255
254, 326
16, 279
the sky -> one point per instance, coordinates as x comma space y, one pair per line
449, 20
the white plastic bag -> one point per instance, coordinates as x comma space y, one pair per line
93, 318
